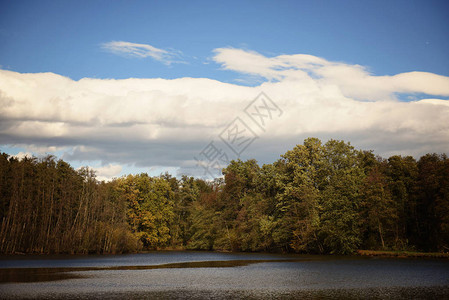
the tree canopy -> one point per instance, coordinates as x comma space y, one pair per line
317, 198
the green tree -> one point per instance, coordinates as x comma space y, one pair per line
378, 210
432, 202
341, 181
401, 175
298, 219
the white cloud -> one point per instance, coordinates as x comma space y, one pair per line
159, 122
353, 80
143, 50
22, 155
107, 172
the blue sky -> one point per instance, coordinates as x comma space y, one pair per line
73, 39
389, 37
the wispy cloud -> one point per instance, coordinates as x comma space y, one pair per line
167, 57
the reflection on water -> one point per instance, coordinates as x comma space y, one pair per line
206, 275
34, 275
52, 274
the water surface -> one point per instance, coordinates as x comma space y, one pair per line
205, 275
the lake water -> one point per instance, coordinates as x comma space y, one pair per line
209, 275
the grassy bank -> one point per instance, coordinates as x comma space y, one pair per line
402, 254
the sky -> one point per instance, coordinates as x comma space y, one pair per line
185, 86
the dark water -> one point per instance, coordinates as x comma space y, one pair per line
205, 275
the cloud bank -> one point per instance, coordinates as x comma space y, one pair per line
165, 123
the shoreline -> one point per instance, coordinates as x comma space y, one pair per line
358, 253
401, 254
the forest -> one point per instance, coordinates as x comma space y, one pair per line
319, 197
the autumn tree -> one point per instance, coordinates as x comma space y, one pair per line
150, 208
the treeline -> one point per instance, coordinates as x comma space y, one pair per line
317, 198
48, 207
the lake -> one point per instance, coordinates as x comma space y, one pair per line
212, 275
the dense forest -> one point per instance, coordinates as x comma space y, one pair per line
317, 198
